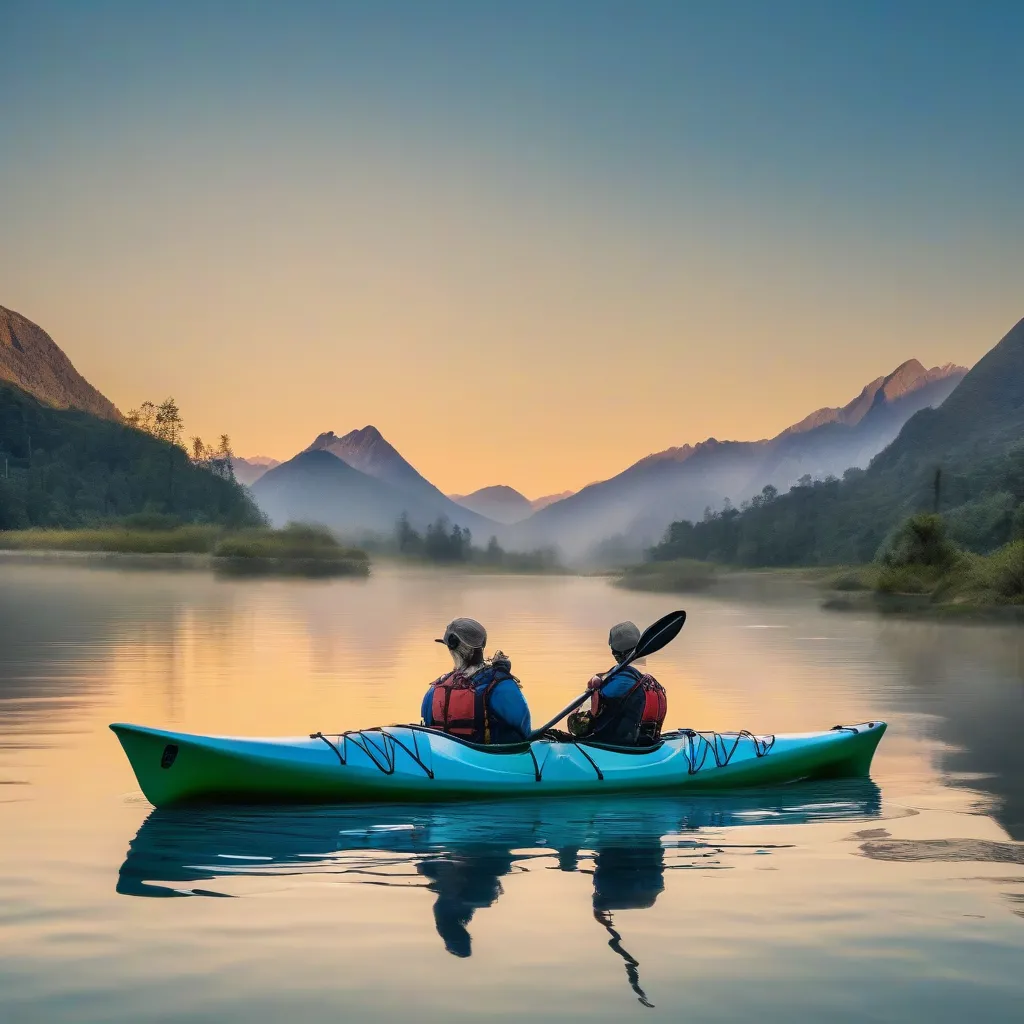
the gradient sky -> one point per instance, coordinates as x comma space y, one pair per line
531, 242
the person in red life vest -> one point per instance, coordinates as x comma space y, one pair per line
479, 700
628, 710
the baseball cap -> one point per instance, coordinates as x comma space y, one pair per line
469, 631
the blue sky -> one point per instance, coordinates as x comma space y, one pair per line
540, 192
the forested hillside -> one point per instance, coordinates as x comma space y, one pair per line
69, 468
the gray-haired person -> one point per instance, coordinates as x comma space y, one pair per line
627, 710
479, 700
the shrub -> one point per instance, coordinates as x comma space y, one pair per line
683, 575
920, 541
1001, 574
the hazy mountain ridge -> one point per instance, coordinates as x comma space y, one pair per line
499, 502
31, 360
359, 483
505, 504
639, 503
248, 470
907, 377
549, 499
976, 439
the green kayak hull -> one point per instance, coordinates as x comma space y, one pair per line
407, 763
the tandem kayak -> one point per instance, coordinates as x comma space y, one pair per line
411, 763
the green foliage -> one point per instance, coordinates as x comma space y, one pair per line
452, 545
192, 538
920, 560
308, 550
830, 522
908, 579
64, 468
1002, 574
852, 580
682, 576
984, 524
494, 556
445, 543
920, 541
296, 540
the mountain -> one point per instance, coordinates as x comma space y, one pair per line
549, 499
500, 503
368, 451
505, 504
909, 377
248, 471
975, 438
983, 416
31, 360
679, 483
359, 483
318, 487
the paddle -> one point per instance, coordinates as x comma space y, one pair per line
653, 638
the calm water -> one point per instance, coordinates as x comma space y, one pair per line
899, 899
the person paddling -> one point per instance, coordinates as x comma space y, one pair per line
479, 700
628, 708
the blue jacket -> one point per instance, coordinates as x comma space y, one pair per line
509, 714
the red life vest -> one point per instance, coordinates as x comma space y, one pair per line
655, 704
459, 704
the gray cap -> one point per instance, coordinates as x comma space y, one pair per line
622, 638
469, 631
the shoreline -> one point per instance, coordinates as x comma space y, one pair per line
832, 582
184, 561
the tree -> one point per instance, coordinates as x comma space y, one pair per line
494, 552
225, 457
167, 423
408, 540
143, 418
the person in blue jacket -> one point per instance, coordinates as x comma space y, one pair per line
628, 708
479, 700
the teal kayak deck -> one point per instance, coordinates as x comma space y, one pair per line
414, 763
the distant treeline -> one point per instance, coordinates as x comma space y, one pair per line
445, 543
65, 468
851, 521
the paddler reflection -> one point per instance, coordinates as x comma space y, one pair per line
462, 853
626, 877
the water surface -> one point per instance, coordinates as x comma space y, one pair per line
898, 898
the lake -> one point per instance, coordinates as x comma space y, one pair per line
895, 899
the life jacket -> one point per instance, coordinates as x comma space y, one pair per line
460, 704
655, 704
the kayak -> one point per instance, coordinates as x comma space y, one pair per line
411, 763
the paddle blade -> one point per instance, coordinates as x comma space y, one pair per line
657, 635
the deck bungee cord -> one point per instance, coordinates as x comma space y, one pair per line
700, 744
717, 746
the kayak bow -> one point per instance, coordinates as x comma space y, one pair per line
413, 763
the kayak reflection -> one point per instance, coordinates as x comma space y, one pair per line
461, 852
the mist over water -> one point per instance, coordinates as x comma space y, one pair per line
893, 899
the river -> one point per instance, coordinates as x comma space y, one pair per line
895, 899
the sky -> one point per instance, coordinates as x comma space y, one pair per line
531, 242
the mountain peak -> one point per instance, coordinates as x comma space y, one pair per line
370, 452
901, 380
365, 435
908, 377
499, 502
